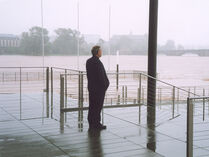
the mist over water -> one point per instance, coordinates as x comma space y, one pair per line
178, 70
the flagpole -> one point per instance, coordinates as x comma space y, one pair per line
42, 32
43, 54
78, 49
109, 38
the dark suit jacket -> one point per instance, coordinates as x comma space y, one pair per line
96, 75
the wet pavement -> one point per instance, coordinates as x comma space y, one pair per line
33, 128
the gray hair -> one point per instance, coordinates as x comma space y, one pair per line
95, 50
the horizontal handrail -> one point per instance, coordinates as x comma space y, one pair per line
148, 76
202, 97
21, 67
66, 69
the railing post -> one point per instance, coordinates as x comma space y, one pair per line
65, 93
123, 94
126, 94
117, 76
139, 97
173, 102
61, 92
51, 80
208, 102
203, 105
178, 100
139, 89
65, 82
189, 128
52, 92
82, 90
160, 97
47, 79
79, 88
142, 95
118, 101
80, 101
20, 93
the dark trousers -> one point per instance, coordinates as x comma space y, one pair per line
96, 100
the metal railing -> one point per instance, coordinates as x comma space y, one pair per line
192, 103
23, 84
126, 90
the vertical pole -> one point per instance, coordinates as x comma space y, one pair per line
117, 76
42, 34
80, 112
160, 96
189, 128
143, 95
20, 93
152, 62
82, 91
203, 105
62, 92
118, 99
79, 95
139, 97
78, 44
123, 99
109, 38
65, 82
47, 104
173, 102
47, 79
65, 93
126, 94
208, 103
52, 80
178, 100
52, 92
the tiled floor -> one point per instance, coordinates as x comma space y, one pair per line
34, 128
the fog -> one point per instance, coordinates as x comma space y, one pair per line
185, 21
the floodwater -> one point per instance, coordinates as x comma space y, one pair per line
123, 137
177, 70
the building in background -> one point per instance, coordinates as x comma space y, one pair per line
9, 40
9, 44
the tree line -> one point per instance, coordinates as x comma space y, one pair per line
65, 43
69, 41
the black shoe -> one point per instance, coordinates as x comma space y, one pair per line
97, 127
102, 127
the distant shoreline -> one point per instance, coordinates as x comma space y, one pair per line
188, 52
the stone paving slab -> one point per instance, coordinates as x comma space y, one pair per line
35, 131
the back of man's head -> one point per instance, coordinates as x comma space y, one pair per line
95, 50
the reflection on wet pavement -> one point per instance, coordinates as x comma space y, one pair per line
42, 132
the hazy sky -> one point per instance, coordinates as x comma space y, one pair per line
185, 21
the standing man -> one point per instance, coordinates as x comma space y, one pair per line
97, 86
